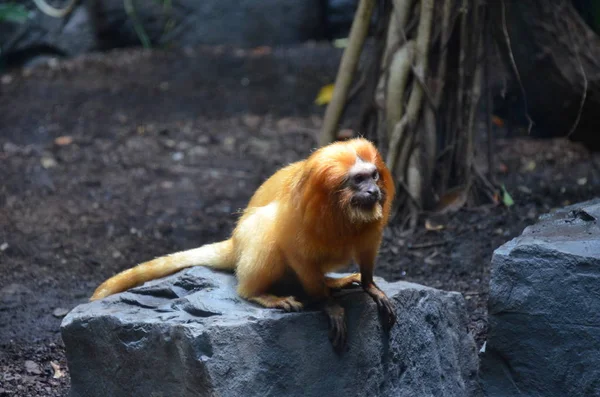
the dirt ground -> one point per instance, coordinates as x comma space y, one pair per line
163, 148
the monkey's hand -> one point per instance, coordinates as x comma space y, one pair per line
337, 325
384, 305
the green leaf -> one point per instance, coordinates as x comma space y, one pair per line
506, 197
13, 12
340, 43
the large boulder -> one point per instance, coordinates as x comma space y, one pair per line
42, 34
544, 309
105, 24
191, 335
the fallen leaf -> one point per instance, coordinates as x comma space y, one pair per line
582, 181
325, 95
507, 200
340, 43
433, 225
58, 373
496, 198
262, 50
452, 201
48, 162
530, 166
497, 121
63, 140
502, 168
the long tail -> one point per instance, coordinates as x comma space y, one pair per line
219, 255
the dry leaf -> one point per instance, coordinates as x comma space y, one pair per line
262, 50
530, 166
497, 121
496, 198
48, 162
341, 43
63, 140
58, 373
452, 201
433, 225
502, 168
325, 95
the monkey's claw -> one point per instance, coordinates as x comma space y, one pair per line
385, 308
386, 311
290, 304
337, 327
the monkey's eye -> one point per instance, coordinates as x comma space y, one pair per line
358, 178
375, 175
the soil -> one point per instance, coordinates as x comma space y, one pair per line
111, 159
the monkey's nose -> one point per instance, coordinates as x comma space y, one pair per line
372, 191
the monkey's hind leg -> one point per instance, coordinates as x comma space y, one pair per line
287, 303
351, 281
254, 284
261, 264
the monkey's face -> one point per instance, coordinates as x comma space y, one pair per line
362, 181
364, 197
349, 176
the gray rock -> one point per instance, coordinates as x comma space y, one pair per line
191, 335
75, 34
544, 309
104, 24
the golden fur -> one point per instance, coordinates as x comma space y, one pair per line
300, 219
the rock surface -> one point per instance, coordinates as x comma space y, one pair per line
191, 335
544, 309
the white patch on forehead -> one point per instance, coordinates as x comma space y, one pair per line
362, 167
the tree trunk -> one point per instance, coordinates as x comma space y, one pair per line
554, 57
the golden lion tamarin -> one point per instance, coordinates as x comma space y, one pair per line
309, 218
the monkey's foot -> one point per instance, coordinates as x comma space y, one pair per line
337, 325
350, 281
384, 306
287, 303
